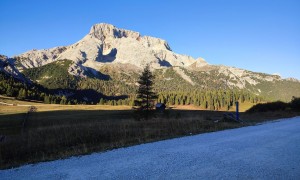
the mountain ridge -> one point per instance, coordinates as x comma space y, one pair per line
107, 48
106, 43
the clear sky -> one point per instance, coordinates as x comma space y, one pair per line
258, 35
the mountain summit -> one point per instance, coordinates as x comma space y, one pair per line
108, 60
106, 44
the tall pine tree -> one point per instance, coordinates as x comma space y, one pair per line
145, 93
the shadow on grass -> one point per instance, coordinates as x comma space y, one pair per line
60, 134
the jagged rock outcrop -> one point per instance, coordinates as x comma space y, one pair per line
107, 44
3, 58
7, 66
37, 58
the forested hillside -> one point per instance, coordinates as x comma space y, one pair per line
54, 85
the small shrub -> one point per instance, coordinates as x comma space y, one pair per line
295, 104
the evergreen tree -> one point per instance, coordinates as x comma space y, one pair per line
132, 102
22, 94
63, 100
46, 99
145, 93
101, 102
9, 91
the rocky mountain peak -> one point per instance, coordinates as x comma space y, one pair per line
106, 32
107, 44
102, 31
107, 49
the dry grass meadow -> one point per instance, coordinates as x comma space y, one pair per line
60, 131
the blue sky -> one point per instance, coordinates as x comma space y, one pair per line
258, 35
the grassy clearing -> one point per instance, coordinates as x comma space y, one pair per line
51, 135
5, 110
12, 100
243, 107
60, 131
56, 107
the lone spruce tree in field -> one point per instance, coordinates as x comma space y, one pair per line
145, 94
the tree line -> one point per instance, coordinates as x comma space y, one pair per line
12, 87
207, 99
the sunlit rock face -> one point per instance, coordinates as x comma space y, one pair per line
106, 44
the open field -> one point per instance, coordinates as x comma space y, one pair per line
268, 151
17, 106
59, 131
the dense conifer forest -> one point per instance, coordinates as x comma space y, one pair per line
206, 99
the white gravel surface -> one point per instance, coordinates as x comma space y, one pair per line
267, 151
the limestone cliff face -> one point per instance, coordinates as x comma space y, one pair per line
8, 67
107, 44
36, 58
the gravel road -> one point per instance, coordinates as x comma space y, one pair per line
267, 151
